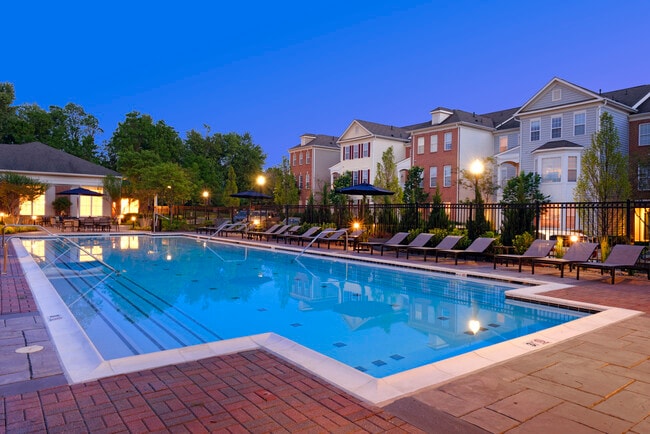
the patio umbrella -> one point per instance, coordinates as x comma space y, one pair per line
250, 195
79, 191
364, 190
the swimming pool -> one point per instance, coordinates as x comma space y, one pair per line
174, 292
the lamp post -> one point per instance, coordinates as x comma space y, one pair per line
261, 181
476, 169
474, 226
206, 194
2, 218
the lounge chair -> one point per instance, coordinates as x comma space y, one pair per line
622, 257
338, 236
293, 230
398, 238
306, 239
260, 234
298, 237
478, 248
577, 253
279, 231
419, 241
235, 228
539, 249
447, 242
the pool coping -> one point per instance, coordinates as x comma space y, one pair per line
81, 361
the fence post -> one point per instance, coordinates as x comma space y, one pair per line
538, 214
628, 221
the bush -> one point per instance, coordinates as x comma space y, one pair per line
522, 242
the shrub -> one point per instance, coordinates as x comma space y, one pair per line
522, 242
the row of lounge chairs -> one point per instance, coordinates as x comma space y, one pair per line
622, 257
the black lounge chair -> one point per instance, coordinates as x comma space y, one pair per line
299, 237
260, 234
396, 239
539, 249
577, 253
293, 230
447, 242
478, 248
338, 236
622, 257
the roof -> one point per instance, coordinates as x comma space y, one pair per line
501, 119
321, 141
41, 158
385, 130
629, 96
557, 144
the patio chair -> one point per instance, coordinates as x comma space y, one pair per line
260, 234
307, 239
235, 228
293, 230
338, 236
299, 237
622, 257
447, 242
398, 238
539, 249
279, 231
577, 253
478, 248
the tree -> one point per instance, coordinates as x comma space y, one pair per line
73, 131
414, 195
285, 190
17, 189
438, 217
487, 186
387, 177
603, 178
170, 182
339, 200
229, 189
113, 187
519, 194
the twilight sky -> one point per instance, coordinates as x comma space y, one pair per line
281, 69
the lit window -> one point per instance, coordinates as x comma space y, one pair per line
572, 174
552, 169
420, 145
433, 177
644, 177
556, 127
433, 144
503, 143
447, 176
447, 141
35, 207
579, 121
534, 130
644, 134
91, 206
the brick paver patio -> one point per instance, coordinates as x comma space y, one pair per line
598, 382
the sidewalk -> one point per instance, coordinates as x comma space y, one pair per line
598, 382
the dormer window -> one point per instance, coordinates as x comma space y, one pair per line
556, 94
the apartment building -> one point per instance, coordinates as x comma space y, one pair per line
310, 162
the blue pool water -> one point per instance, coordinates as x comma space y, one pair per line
179, 291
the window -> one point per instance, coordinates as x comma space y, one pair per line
299, 181
91, 206
433, 177
355, 177
346, 152
433, 143
300, 159
365, 176
447, 141
447, 176
35, 207
308, 157
556, 127
644, 177
307, 186
579, 121
420, 145
503, 143
294, 159
572, 175
366, 149
556, 95
551, 169
355, 151
644, 134
534, 130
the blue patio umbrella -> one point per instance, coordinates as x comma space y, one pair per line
364, 189
79, 191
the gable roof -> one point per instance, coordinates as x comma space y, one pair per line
384, 130
40, 158
320, 141
557, 144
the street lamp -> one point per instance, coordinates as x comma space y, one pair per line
206, 194
476, 168
260, 181
2, 218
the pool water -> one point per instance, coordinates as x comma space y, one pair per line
172, 292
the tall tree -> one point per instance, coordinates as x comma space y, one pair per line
230, 188
414, 195
17, 189
519, 196
603, 178
387, 177
74, 131
285, 190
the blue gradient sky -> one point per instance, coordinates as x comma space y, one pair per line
281, 69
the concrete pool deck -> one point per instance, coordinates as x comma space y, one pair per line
596, 382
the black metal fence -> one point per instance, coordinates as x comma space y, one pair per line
620, 221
